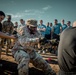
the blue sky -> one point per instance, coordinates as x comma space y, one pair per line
47, 10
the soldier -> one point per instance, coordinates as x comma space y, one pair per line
23, 50
8, 25
8, 29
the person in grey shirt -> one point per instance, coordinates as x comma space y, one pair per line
67, 51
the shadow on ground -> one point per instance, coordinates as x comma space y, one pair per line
52, 62
10, 68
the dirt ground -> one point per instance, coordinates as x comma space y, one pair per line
8, 66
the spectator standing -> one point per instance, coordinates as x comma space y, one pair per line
64, 26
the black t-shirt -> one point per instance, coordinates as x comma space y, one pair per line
67, 50
0, 27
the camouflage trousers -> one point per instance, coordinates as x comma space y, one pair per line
23, 58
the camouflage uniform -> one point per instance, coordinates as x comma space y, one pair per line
8, 29
23, 53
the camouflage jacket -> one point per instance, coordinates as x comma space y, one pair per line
7, 27
24, 37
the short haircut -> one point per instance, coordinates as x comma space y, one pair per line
41, 20
2, 13
21, 19
68, 21
55, 20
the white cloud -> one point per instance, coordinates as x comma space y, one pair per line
47, 7
31, 12
38, 11
26, 11
17, 15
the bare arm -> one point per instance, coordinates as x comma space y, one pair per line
60, 29
3, 35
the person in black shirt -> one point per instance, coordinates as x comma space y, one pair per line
0, 27
67, 51
2, 16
